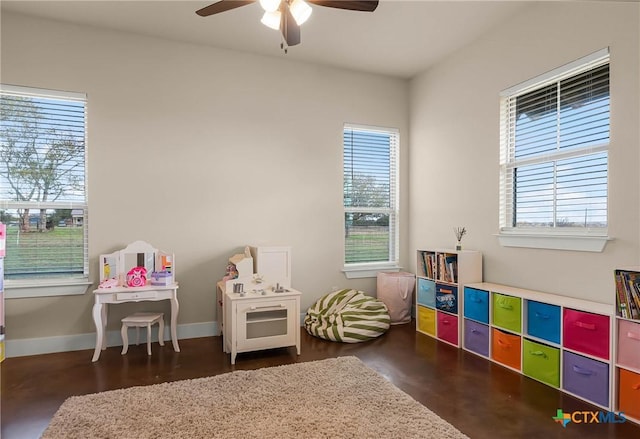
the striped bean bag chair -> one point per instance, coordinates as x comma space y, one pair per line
348, 316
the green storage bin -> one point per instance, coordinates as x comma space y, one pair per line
507, 312
541, 362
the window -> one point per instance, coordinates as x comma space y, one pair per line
554, 153
370, 199
43, 186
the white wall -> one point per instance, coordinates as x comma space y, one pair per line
454, 151
200, 151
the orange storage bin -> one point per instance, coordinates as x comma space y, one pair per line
629, 394
506, 349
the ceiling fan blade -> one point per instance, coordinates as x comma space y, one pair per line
289, 28
352, 5
221, 6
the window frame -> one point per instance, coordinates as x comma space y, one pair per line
371, 269
556, 238
63, 285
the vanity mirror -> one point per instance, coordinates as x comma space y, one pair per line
115, 266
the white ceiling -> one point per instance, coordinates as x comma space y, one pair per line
401, 38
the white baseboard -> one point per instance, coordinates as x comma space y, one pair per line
78, 342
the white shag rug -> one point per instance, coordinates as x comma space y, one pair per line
333, 398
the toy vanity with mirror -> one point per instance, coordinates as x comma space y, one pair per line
137, 265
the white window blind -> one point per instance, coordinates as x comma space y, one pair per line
370, 194
554, 151
43, 183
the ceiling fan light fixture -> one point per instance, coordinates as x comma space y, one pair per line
270, 5
272, 19
300, 10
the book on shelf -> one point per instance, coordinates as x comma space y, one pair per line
451, 264
621, 304
442, 268
432, 264
633, 281
627, 294
425, 269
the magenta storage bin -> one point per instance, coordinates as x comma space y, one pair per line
586, 332
448, 328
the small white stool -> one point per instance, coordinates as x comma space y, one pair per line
140, 320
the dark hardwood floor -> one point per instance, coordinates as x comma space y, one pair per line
481, 399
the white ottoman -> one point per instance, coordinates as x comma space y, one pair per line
141, 320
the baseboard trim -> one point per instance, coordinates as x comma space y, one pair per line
78, 342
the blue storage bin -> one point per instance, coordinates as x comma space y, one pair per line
426, 292
476, 305
447, 298
543, 321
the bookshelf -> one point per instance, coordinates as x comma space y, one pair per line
560, 341
441, 275
627, 343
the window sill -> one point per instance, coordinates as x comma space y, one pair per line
575, 242
25, 289
359, 271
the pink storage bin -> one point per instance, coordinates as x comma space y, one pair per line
586, 332
629, 344
448, 327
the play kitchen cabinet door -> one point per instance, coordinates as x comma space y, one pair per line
266, 324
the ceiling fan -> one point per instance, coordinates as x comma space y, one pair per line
288, 15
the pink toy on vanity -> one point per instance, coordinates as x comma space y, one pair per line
137, 277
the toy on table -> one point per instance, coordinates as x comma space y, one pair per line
137, 277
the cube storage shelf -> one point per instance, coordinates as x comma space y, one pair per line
627, 358
440, 279
560, 341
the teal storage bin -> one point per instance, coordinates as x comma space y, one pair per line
543, 321
476, 305
426, 292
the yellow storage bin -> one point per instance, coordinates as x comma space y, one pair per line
427, 320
